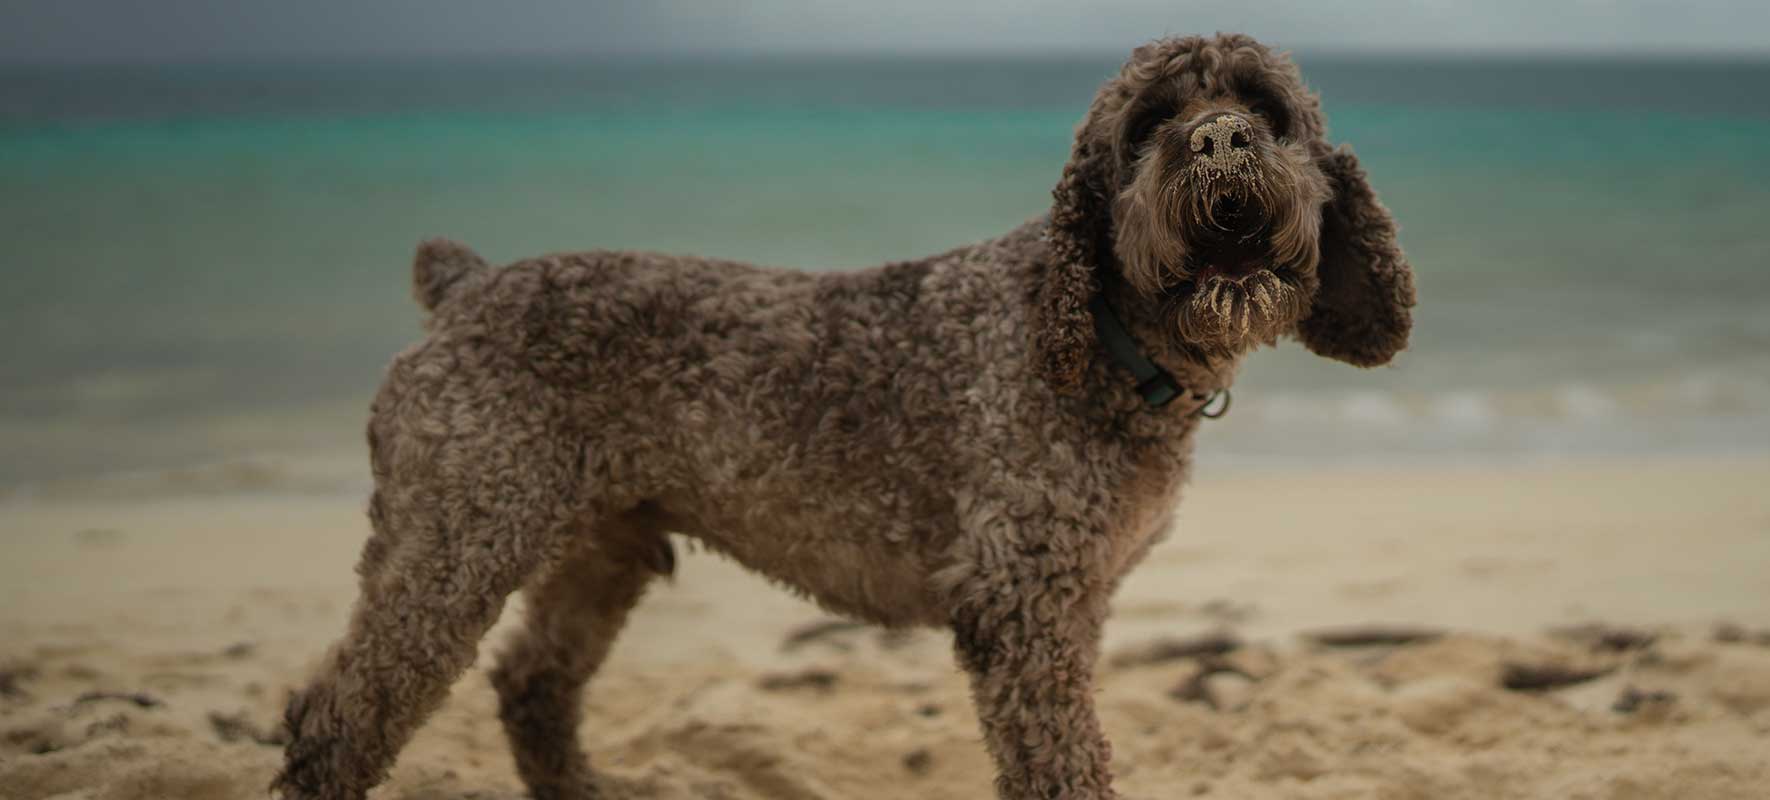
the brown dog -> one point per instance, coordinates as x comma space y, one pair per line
985, 440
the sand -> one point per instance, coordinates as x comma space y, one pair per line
147, 639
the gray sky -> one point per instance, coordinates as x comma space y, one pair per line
185, 30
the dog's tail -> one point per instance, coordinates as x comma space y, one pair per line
438, 266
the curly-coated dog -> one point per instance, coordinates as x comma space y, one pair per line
985, 440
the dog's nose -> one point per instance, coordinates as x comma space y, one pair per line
1222, 135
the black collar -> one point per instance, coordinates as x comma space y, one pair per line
1157, 387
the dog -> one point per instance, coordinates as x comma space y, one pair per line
984, 441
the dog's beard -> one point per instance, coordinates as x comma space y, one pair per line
1235, 313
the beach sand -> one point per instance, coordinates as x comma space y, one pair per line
148, 638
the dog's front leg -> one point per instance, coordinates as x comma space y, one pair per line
1027, 629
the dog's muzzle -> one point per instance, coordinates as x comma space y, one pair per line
1224, 168
1237, 213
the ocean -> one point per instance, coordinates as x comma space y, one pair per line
209, 264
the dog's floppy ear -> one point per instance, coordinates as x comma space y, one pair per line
1080, 234
1362, 312
1062, 325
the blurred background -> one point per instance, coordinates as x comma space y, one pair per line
208, 208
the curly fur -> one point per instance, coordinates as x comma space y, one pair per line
934, 442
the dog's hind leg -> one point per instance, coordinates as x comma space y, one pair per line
574, 613
472, 497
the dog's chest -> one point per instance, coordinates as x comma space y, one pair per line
1146, 502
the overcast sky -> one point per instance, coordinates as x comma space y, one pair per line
205, 30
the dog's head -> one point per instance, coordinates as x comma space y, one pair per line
1201, 179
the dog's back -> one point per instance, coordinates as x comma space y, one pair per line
768, 412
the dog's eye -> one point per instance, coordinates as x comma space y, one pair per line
1143, 126
1273, 113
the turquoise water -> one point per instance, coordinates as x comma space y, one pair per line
205, 263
